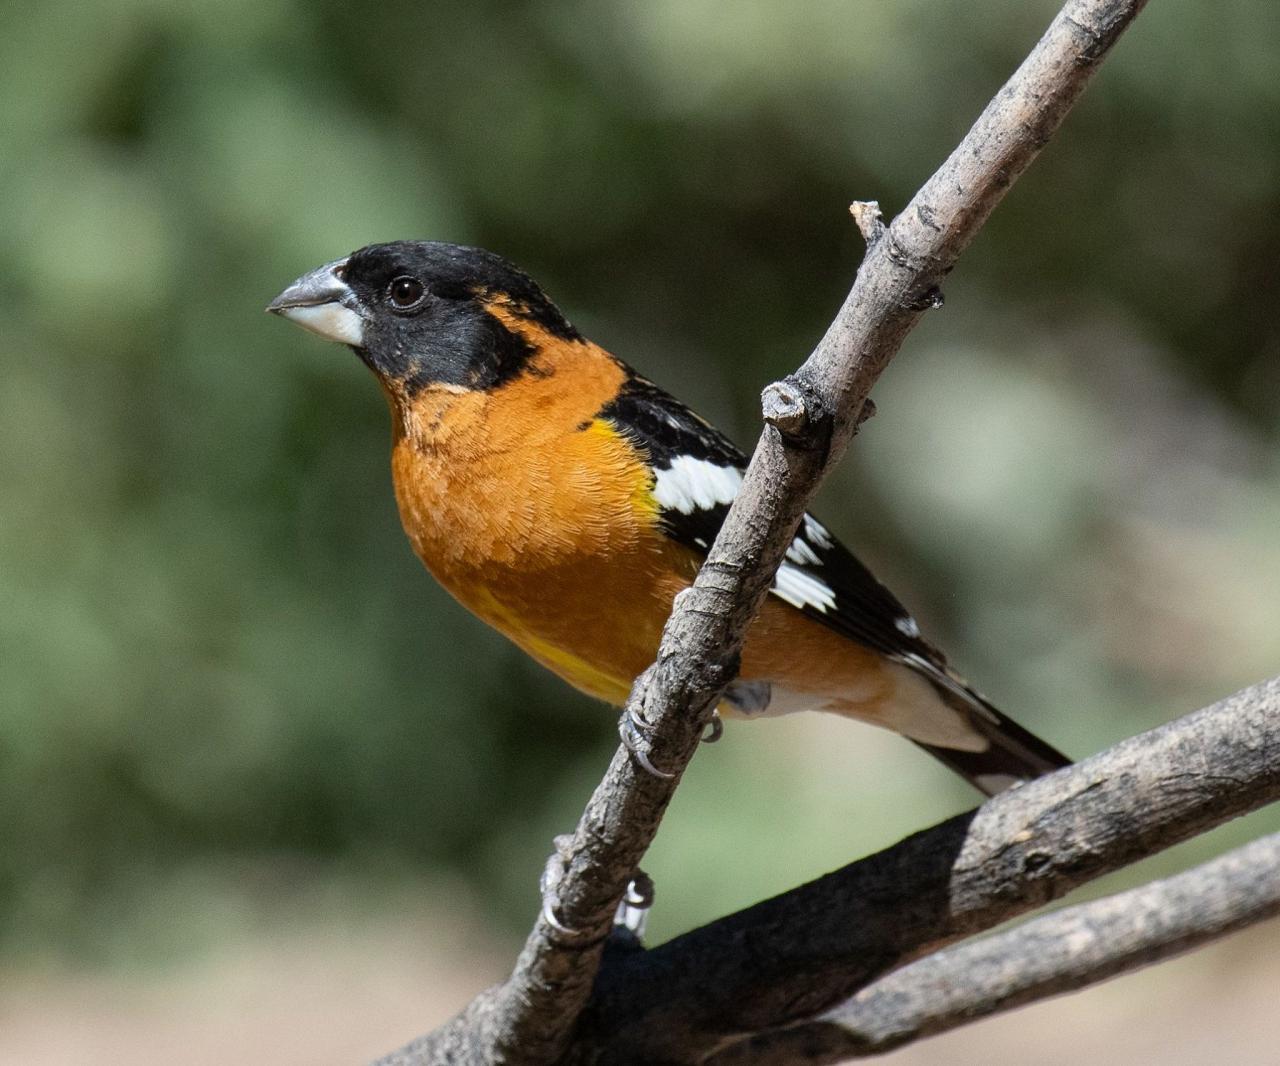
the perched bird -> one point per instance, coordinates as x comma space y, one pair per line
565, 500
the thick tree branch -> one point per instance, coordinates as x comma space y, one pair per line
530, 1017
1060, 952
790, 958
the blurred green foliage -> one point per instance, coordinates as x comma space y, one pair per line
221, 669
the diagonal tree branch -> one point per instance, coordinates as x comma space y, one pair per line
812, 414
792, 957
1060, 952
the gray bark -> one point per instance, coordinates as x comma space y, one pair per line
1050, 955
793, 957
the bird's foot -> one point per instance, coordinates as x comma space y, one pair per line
633, 910
552, 875
714, 730
635, 732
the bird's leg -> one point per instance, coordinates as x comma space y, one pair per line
715, 729
749, 697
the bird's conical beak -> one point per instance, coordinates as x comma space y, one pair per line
323, 303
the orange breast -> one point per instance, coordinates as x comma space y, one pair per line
541, 527
540, 519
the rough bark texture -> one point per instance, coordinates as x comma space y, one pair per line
531, 1017
1060, 952
790, 958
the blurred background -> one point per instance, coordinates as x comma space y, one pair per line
266, 793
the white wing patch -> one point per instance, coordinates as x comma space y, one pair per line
802, 555
801, 589
691, 484
817, 532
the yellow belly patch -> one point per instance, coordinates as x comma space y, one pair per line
574, 669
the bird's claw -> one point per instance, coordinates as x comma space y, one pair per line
552, 875
634, 732
549, 916
633, 909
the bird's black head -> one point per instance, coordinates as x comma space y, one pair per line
425, 312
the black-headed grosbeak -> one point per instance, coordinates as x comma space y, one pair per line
566, 500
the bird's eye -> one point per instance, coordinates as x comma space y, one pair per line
405, 292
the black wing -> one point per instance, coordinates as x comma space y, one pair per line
697, 471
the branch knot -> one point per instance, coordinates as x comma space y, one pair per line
866, 213
796, 410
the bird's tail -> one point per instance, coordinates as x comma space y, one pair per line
1013, 754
